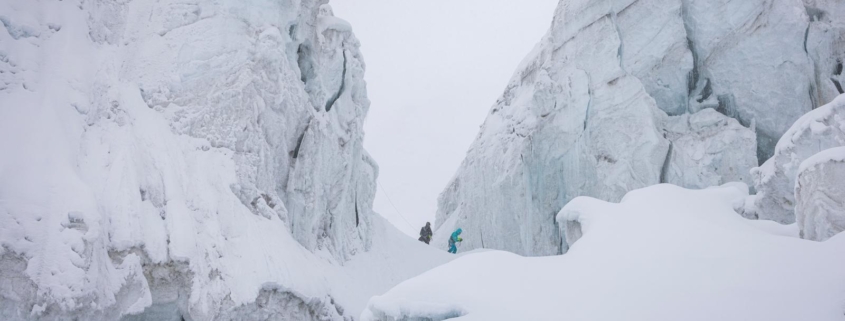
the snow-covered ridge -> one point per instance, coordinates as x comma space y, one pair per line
186, 159
621, 95
662, 253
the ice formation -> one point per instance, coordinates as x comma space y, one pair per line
823, 42
704, 150
820, 195
816, 131
186, 159
624, 94
662, 253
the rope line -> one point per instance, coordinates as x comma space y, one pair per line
383, 191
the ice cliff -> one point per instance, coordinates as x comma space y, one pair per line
185, 159
775, 180
820, 195
803, 180
624, 94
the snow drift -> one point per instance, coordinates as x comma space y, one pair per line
186, 159
662, 253
621, 95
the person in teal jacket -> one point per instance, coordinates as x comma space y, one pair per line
456, 237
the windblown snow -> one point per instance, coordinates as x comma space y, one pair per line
193, 160
620, 95
662, 253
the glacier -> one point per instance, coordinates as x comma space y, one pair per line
194, 160
204, 160
620, 95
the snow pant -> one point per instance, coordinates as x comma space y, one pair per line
424, 239
452, 248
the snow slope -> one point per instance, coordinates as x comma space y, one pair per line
187, 159
620, 95
662, 253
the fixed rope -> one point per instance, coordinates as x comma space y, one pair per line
383, 191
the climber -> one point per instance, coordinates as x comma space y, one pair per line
425, 233
456, 237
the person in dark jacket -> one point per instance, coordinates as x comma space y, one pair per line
425, 233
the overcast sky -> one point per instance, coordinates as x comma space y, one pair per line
434, 69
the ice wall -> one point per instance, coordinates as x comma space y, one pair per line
708, 149
820, 195
751, 63
823, 43
216, 145
775, 180
624, 94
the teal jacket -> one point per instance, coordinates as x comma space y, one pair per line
456, 237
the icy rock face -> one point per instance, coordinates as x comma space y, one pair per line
775, 180
655, 50
554, 135
820, 195
332, 183
145, 140
824, 38
751, 63
624, 94
704, 150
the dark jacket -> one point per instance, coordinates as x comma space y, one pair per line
425, 234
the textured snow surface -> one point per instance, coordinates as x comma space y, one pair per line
620, 95
775, 180
662, 253
820, 195
187, 159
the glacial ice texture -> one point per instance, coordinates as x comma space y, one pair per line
620, 95
775, 180
820, 195
177, 158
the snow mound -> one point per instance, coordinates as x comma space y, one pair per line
662, 253
814, 132
820, 195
